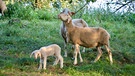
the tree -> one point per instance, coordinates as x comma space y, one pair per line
129, 5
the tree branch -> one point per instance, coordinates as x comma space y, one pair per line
82, 7
123, 6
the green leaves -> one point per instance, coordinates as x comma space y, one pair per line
91, 0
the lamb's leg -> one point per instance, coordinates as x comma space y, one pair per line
44, 63
40, 65
61, 61
76, 51
99, 54
110, 54
56, 61
2, 13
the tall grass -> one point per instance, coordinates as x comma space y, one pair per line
19, 39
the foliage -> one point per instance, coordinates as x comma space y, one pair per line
103, 15
19, 10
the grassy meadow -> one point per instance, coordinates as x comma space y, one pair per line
20, 37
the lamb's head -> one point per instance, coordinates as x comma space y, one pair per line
36, 54
65, 17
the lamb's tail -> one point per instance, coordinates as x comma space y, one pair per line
31, 54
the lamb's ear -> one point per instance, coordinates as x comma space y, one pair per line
39, 54
71, 13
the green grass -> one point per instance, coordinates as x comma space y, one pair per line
19, 39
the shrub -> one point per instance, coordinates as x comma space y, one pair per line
21, 11
44, 14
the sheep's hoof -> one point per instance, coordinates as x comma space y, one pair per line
92, 62
111, 63
39, 68
83, 51
44, 68
81, 61
72, 58
75, 64
54, 64
65, 55
61, 67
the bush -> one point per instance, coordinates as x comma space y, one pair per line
44, 14
19, 10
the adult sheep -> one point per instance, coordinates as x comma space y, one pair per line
87, 36
77, 22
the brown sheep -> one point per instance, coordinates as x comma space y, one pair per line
77, 22
87, 36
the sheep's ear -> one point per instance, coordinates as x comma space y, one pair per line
71, 13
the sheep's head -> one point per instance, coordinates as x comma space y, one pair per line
65, 17
36, 54
67, 11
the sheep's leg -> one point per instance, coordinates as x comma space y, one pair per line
61, 61
56, 61
2, 13
81, 60
65, 48
83, 49
40, 65
76, 51
110, 54
75, 56
73, 48
44, 63
65, 44
99, 54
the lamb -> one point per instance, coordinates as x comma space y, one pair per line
2, 7
77, 22
87, 36
44, 52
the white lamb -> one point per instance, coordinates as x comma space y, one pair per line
44, 52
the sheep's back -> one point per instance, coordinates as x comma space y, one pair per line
51, 49
80, 22
88, 36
